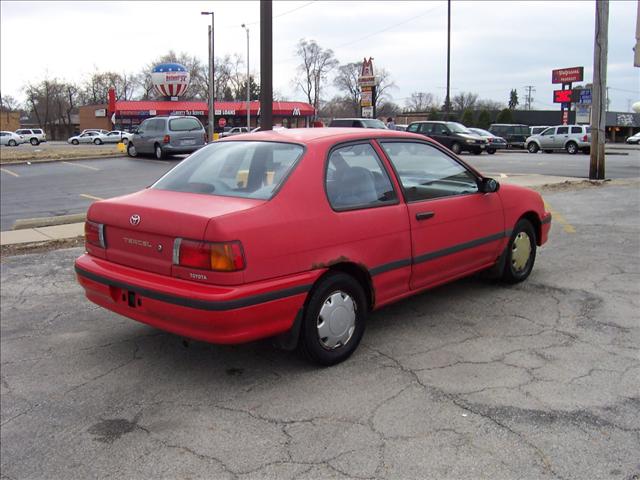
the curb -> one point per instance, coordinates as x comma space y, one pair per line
37, 222
47, 160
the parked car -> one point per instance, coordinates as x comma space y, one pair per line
99, 130
10, 139
34, 136
635, 138
358, 123
452, 135
234, 131
270, 235
494, 142
514, 133
572, 138
117, 136
162, 136
96, 138
401, 127
535, 130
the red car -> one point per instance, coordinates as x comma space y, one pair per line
298, 234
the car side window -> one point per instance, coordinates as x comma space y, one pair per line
413, 127
576, 129
426, 128
426, 172
355, 178
548, 131
562, 130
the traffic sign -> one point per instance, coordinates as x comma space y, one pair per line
222, 121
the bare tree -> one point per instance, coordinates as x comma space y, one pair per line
316, 65
8, 103
385, 83
464, 100
346, 81
488, 105
420, 102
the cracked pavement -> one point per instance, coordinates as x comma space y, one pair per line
471, 380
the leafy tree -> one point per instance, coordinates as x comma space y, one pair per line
513, 99
505, 116
484, 119
467, 117
314, 69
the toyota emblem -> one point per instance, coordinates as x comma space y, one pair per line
135, 219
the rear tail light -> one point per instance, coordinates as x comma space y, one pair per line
221, 257
584, 139
94, 234
166, 139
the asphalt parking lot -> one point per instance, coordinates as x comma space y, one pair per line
471, 380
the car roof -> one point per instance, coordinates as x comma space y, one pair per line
313, 135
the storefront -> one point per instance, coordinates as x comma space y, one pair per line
128, 114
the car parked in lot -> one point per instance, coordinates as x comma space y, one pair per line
234, 131
452, 135
494, 143
117, 136
99, 130
298, 234
162, 136
514, 133
572, 138
34, 136
536, 129
634, 139
10, 139
90, 136
358, 123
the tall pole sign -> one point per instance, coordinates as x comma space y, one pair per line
565, 76
368, 82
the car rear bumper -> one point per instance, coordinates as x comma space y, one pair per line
181, 149
212, 313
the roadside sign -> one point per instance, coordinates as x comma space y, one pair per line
565, 117
367, 112
366, 98
222, 121
567, 75
562, 96
583, 114
585, 96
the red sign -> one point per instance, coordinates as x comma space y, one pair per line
567, 75
565, 117
222, 122
562, 96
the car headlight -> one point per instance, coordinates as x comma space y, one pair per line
470, 141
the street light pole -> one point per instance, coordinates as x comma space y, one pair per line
248, 91
211, 89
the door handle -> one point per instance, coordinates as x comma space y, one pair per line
424, 215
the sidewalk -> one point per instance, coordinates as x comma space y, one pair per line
38, 235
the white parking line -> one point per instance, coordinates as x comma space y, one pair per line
90, 197
80, 165
6, 170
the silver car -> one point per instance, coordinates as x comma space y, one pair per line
34, 136
572, 138
117, 136
87, 137
11, 139
162, 136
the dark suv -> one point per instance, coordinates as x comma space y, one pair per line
514, 133
453, 135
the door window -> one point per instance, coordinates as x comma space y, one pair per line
563, 130
576, 129
548, 131
355, 178
413, 127
425, 172
439, 129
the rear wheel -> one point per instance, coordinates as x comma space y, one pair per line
520, 253
456, 148
477, 151
334, 320
572, 148
34, 142
125, 141
75, 142
533, 147
12, 143
159, 152
97, 141
491, 151
131, 150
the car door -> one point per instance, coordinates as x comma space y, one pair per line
547, 138
441, 134
455, 228
561, 136
144, 132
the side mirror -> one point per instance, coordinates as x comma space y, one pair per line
489, 185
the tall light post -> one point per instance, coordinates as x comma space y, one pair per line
248, 90
211, 90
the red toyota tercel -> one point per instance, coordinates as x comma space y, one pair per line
298, 234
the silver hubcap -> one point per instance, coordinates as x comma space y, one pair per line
132, 150
520, 252
337, 320
158, 152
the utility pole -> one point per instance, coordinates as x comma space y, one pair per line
528, 98
447, 102
212, 120
266, 65
598, 112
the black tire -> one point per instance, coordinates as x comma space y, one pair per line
571, 148
477, 151
158, 152
456, 148
519, 262
97, 141
533, 147
334, 287
34, 142
12, 143
75, 142
491, 151
131, 150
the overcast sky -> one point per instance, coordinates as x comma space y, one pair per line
495, 46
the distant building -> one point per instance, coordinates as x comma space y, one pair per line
9, 120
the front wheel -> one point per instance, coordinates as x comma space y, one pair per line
572, 148
131, 150
34, 142
125, 141
533, 147
520, 253
97, 141
75, 142
12, 143
456, 148
491, 151
477, 151
334, 320
159, 152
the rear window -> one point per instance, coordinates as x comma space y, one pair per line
234, 169
38, 131
342, 123
373, 123
184, 124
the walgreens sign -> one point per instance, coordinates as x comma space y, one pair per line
567, 75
